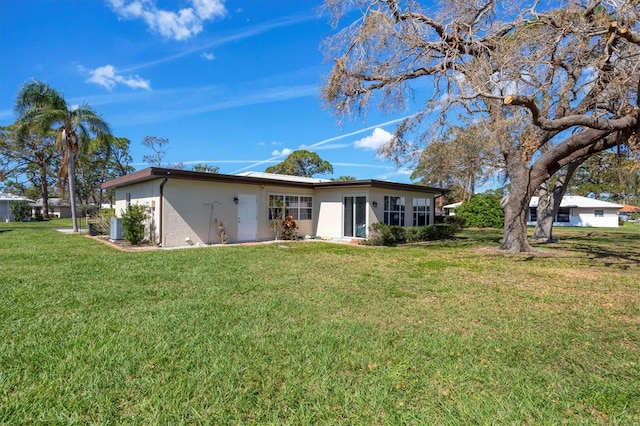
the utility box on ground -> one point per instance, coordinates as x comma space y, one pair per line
115, 231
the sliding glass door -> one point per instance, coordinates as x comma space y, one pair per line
355, 216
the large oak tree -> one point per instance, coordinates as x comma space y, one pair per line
559, 82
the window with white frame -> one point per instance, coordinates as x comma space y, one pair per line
394, 208
298, 206
599, 213
276, 207
421, 211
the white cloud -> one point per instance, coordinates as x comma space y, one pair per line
374, 141
178, 25
208, 56
106, 76
285, 151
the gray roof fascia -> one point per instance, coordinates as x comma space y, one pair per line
153, 173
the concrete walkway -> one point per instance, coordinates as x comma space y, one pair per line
70, 230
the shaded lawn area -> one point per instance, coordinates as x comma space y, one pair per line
302, 333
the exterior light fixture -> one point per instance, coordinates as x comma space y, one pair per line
374, 204
235, 200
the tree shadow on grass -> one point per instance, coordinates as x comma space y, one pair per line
490, 237
610, 249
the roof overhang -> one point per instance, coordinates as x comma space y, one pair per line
154, 173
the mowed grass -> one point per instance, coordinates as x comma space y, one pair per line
320, 333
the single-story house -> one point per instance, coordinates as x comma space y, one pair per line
58, 207
576, 210
188, 207
5, 205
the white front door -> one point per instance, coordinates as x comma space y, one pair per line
247, 217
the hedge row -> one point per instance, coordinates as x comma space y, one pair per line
385, 235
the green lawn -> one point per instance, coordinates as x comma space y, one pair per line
319, 333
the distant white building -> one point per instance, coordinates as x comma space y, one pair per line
574, 211
5, 205
580, 211
450, 209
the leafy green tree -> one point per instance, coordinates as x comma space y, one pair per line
100, 163
302, 163
42, 108
482, 211
31, 154
609, 175
344, 178
20, 210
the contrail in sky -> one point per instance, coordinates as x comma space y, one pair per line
325, 141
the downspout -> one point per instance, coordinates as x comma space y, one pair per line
434, 207
160, 211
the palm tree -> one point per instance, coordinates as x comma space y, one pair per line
42, 107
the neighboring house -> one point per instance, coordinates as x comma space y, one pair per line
450, 209
186, 207
5, 205
627, 212
58, 207
574, 211
580, 211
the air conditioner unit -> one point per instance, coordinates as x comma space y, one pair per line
115, 233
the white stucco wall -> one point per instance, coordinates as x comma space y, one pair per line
190, 209
330, 216
586, 217
330, 208
147, 194
5, 212
379, 194
193, 210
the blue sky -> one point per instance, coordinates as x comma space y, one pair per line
233, 84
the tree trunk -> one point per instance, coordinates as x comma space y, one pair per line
516, 204
545, 216
44, 188
549, 203
72, 189
515, 207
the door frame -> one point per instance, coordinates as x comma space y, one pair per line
354, 196
251, 225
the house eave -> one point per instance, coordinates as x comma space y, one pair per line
153, 173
